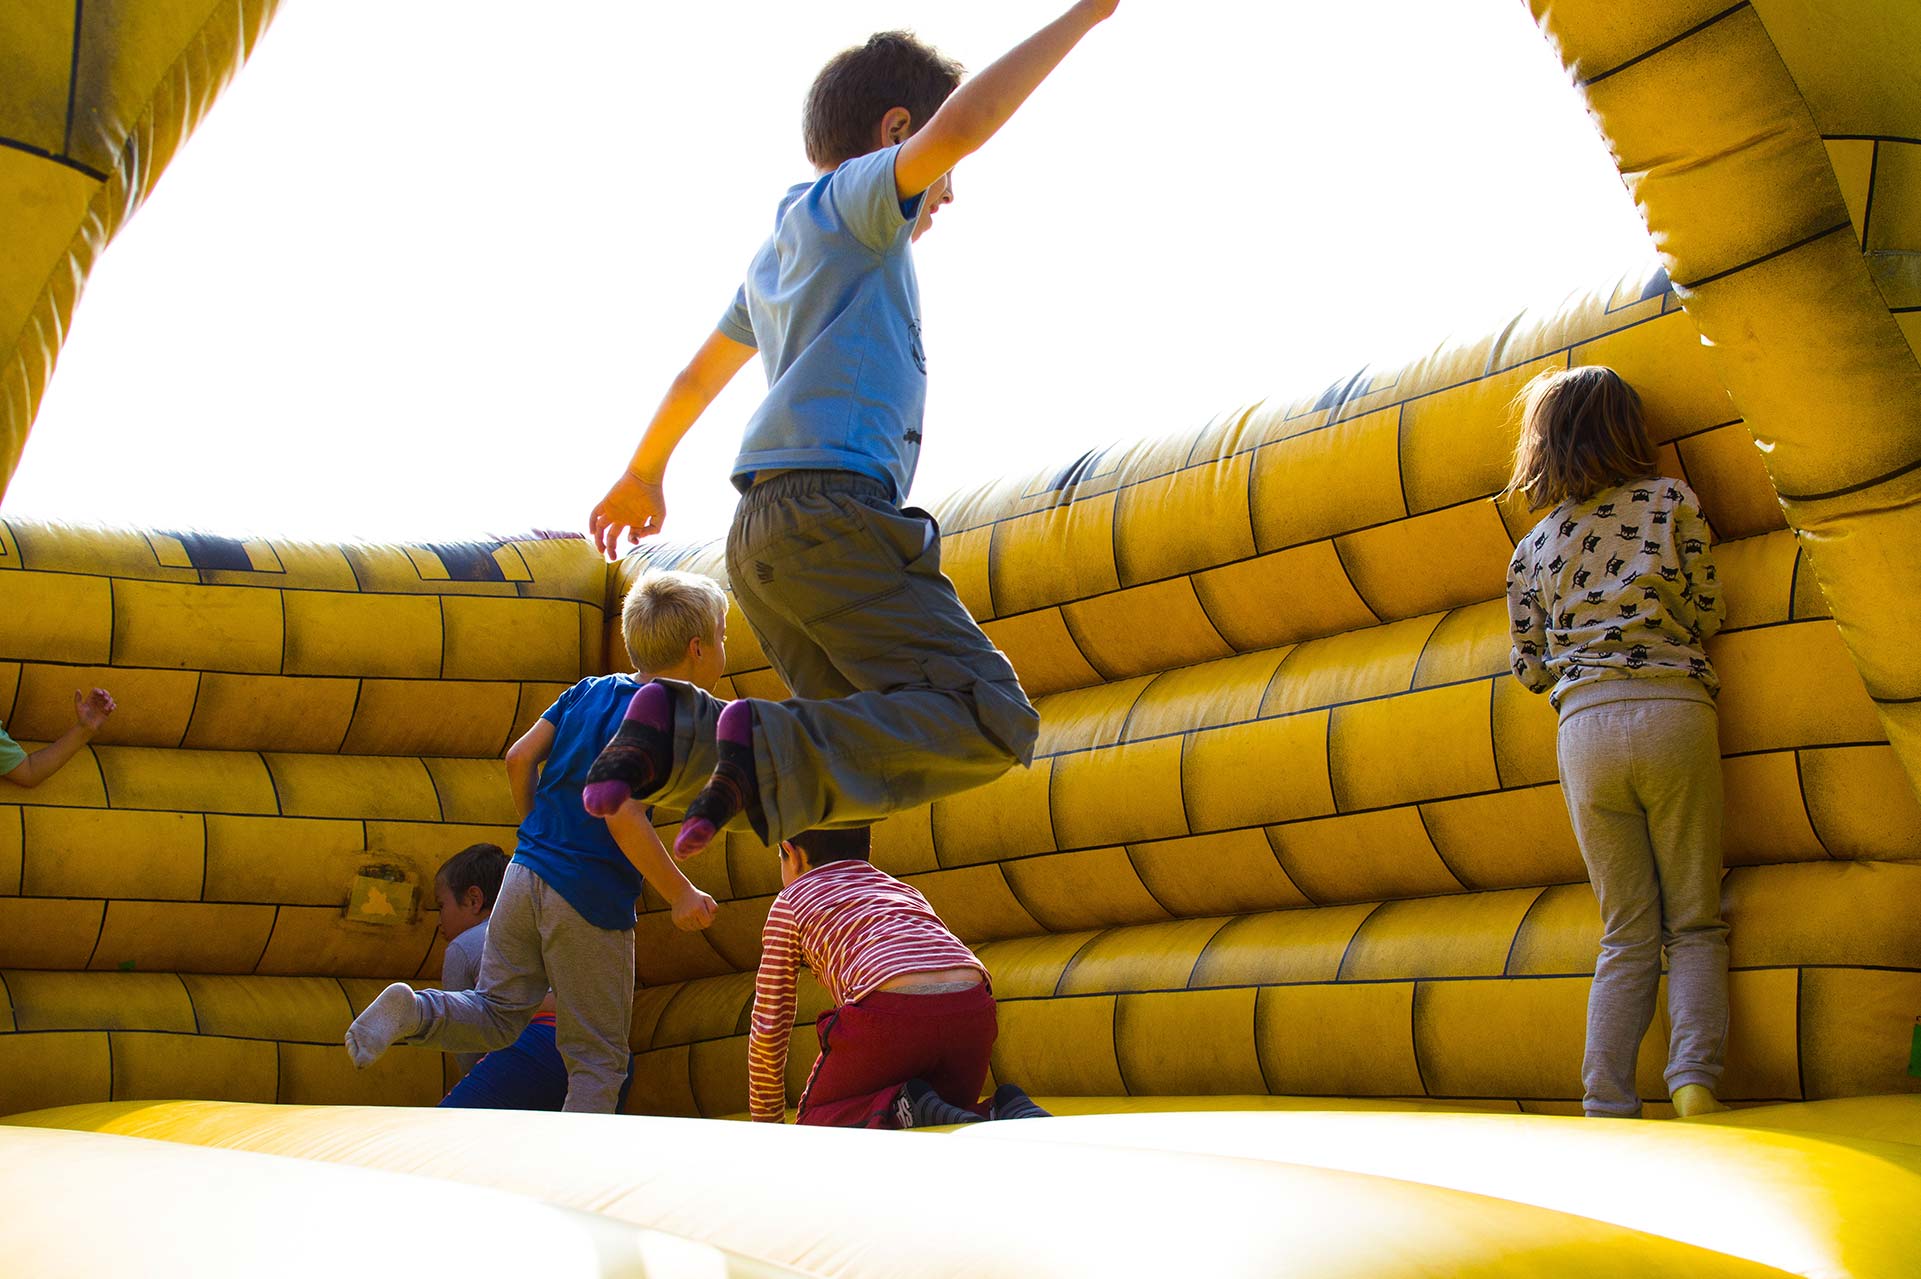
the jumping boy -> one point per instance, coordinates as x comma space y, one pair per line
565, 914
899, 697
907, 1041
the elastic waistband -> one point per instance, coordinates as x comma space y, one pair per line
1589, 693
927, 1003
779, 485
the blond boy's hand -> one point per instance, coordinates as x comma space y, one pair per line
633, 508
694, 910
1100, 10
91, 711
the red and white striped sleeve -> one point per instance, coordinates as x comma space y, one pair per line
773, 1021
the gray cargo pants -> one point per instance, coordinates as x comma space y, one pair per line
899, 699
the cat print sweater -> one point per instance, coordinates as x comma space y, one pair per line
1618, 587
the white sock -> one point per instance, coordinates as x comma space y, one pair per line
392, 1016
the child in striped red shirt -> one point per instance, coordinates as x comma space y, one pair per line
906, 1044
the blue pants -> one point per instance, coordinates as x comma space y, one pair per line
528, 1074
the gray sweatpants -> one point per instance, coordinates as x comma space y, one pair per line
535, 940
1643, 784
899, 698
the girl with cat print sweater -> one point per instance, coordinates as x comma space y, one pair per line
1611, 596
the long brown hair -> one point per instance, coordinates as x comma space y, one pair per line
1581, 432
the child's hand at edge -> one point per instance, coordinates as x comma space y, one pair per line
633, 508
694, 910
90, 711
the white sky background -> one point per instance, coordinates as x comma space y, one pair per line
428, 266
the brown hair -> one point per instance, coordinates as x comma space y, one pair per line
1581, 432
860, 85
852, 844
479, 866
664, 612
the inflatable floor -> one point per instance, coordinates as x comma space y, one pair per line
1287, 920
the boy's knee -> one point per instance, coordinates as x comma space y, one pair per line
508, 1018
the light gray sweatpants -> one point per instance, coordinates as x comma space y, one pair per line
1642, 778
535, 940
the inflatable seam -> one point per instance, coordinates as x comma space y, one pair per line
1669, 43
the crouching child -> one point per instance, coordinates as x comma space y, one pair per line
907, 1042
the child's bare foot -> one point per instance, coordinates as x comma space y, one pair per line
733, 786
1695, 1099
635, 763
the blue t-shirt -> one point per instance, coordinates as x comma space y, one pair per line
833, 305
561, 841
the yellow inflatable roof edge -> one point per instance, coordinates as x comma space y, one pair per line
118, 139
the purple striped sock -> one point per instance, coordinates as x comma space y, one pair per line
635, 763
732, 787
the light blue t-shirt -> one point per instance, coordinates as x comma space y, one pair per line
561, 841
833, 305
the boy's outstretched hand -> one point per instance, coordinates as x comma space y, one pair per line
636, 507
91, 711
633, 508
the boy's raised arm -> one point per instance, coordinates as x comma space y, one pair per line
636, 507
978, 109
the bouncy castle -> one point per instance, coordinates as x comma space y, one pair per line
1287, 921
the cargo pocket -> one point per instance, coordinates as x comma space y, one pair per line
827, 567
1000, 706
910, 533
927, 558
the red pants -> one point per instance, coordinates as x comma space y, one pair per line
869, 1049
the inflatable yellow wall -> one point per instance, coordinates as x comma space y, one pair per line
1285, 779
1292, 833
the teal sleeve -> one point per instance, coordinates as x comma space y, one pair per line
11, 754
